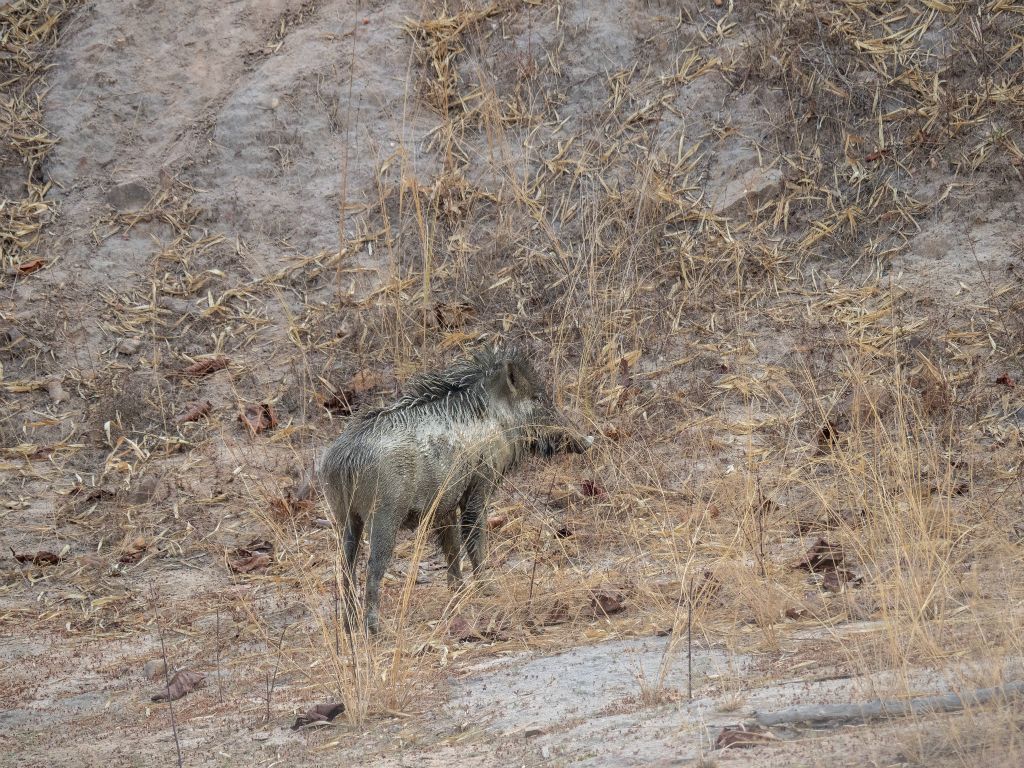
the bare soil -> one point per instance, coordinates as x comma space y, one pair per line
769, 252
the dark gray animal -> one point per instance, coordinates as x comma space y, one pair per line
436, 455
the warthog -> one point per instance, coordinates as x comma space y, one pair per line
435, 456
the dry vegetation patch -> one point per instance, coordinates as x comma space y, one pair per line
770, 252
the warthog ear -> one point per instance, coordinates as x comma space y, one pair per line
513, 376
505, 381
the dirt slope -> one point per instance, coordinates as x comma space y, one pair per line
771, 253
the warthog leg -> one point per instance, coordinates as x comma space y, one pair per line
353, 533
383, 531
451, 545
474, 525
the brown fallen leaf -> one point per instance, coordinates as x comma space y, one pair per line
462, 630
740, 736
496, 522
834, 581
557, 614
195, 412
592, 489
344, 400
256, 545
257, 555
135, 551
41, 557
829, 561
318, 714
1007, 381
467, 631
183, 682
607, 603
258, 417
207, 365
821, 557
28, 267
250, 564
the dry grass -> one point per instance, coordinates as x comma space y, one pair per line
760, 375
29, 29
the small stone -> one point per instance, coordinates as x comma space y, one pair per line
530, 733
154, 669
56, 391
144, 490
753, 187
130, 196
545, 752
128, 346
12, 339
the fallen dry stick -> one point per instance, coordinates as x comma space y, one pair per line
830, 715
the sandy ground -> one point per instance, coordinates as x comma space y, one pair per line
206, 154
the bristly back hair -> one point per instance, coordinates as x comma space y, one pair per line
461, 381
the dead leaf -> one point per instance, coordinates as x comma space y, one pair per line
207, 365
496, 522
611, 431
183, 682
592, 489
461, 630
625, 377
28, 267
250, 564
258, 417
1007, 381
557, 614
821, 557
829, 561
467, 631
257, 555
257, 545
41, 557
195, 412
135, 551
318, 714
740, 736
344, 400
834, 581
607, 603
